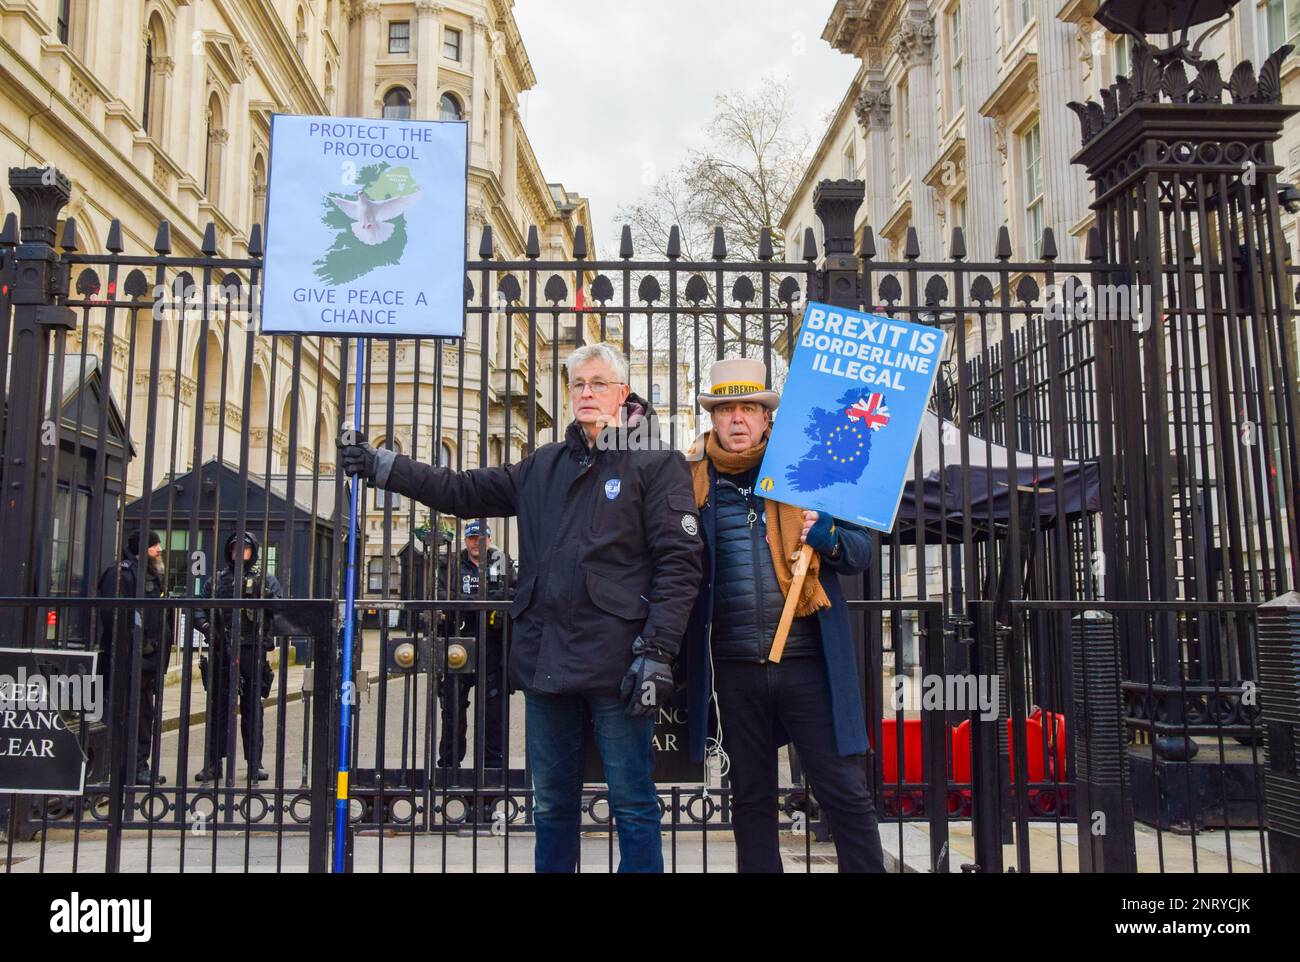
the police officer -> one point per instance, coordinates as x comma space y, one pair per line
249, 650
117, 636
461, 579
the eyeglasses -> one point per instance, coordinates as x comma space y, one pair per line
597, 387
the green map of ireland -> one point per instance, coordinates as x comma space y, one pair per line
369, 226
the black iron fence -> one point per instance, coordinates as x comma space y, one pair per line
140, 397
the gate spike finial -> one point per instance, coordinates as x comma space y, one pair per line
625, 243
209, 247
532, 247
957, 249
867, 249
719, 245
114, 244
809, 245
1095, 251
163, 242
1003, 249
1047, 246
485, 243
69, 240
911, 246
9, 236
580, 242
765, 251
255, 248
674, 243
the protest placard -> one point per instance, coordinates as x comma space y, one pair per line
850, 414
365, 229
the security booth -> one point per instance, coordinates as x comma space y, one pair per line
88, 491
205, 504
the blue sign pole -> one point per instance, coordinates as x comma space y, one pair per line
348, 690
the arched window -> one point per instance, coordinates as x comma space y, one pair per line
654, 394
215, 140
157, 68
259, 191
397, 104
449, 108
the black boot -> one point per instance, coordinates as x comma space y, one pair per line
211, 773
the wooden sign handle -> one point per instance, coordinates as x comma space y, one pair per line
800, 571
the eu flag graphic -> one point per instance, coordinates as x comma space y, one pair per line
841, 441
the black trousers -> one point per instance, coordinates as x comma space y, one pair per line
148, 717
752, 698
456, 720
252, 671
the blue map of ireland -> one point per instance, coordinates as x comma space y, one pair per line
841, 441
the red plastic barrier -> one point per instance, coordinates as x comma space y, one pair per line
959, 760
1034, 756
888, 751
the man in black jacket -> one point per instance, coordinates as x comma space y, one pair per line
609, 567
812, 695
243, 635
117, 636
461, 578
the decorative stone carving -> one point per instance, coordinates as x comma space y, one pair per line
872, 107
914, 41
1083, 32
164, 65
1000, 136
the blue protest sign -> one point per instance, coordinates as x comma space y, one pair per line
850, 414
365, 227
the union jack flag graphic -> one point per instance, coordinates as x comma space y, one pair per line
870, 409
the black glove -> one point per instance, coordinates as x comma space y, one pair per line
648, 683
358, 457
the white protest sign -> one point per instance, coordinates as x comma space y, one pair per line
365, 227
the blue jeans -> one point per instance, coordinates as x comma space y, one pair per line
557, 731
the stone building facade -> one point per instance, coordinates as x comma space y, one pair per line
160, 110
957, 117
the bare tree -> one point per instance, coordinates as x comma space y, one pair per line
742, 181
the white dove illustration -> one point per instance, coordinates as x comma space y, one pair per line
370, 217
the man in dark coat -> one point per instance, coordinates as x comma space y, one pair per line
609, 564
244, 636
461, 578
117, 637
811, 696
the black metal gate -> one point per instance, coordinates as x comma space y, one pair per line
1120, 627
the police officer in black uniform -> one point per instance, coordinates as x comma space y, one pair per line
117, 636
250, 649
461, 578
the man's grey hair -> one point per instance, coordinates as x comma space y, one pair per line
598, 352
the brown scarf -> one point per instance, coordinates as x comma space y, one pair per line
785, 521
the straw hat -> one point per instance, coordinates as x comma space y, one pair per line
738, 379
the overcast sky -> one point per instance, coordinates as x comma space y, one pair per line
626, 87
